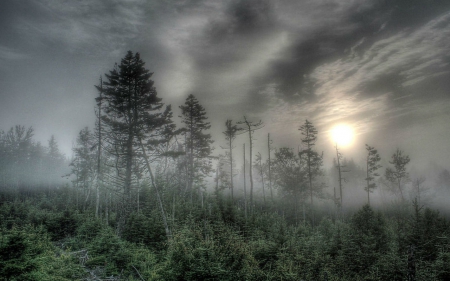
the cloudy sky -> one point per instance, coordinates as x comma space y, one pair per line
381, 67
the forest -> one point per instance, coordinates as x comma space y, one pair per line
150, 196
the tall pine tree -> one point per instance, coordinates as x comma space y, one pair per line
373, 158
198, 142
134, 120
313, 158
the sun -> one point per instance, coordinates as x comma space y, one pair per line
342, 135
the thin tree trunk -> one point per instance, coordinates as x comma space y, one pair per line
158, 196
231, 168
270, 164
107, 208
339, 174
368, 182
245, 189
262, 181
99, 152
250, 172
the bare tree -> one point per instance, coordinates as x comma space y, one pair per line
269, 141
250, 127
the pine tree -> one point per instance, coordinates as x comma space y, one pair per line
198, 143
55, 161
398, 175
372, 166
313, 159
132, 110
99, 136
251, 127
83, 164
261, 168
269, 164
135, 122
230, 134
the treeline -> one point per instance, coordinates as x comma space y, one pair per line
27, 163
135, 142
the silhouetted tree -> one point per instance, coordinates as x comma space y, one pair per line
99, 144
250, 127
230, 134
135, 122
398, 175
127, 92
290, 176
132, 110
339, 168
84, 162
269, 164
56, 162
313, 158
261, 168
198, 143
373, 158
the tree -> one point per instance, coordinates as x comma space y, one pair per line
261, 168
290, 176
269, 164
313, 159
250, 127
339, 167
83, 164
99, 101
369, 240
17, 143
130, 97
373, 158
135, 122
420, 189
55, 162
398, 175
198, 143
131, 108
230, 134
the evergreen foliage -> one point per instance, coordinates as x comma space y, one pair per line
197, 143
373, 157
398, 175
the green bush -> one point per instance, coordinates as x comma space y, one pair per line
27, 254
224, 256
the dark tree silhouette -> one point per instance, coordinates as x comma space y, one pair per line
135, 121
373, 158
198, 143
250, 127
230, 134
131, 106
83, 163
313, 158
99, 132
398, 175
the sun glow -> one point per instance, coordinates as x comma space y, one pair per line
342, 135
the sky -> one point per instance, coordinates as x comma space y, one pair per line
381, 67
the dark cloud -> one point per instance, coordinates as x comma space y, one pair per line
331, 41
